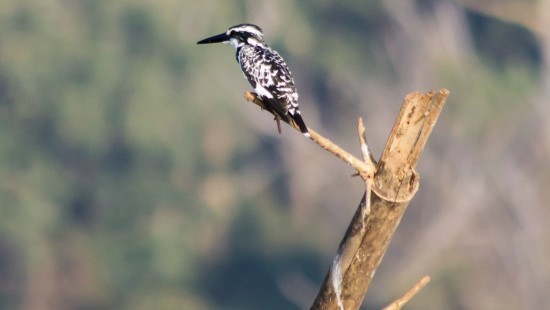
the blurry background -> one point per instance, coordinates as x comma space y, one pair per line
133, 175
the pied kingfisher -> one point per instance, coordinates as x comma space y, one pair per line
265, 69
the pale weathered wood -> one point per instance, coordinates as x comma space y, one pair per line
398, 303
394, 181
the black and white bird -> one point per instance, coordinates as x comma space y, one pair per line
265, 69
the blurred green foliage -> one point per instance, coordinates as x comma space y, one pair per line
128, 176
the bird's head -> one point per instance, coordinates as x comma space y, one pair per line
238, 36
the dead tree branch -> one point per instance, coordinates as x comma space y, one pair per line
364, 169
401, 301
394, 181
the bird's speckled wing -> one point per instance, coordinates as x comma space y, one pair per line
270, 77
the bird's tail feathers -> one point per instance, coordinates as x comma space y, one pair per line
300, 122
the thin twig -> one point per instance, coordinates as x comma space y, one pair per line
367, 157
365, 169
400, 302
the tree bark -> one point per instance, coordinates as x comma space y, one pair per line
393, 182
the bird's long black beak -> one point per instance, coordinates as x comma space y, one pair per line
222, 37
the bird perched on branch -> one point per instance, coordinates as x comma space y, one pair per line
266, 71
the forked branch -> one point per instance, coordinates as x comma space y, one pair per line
365, 169
393, 181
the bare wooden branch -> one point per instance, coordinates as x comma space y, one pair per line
400, 302
367, 155
394, 184
365, 169
368, 158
